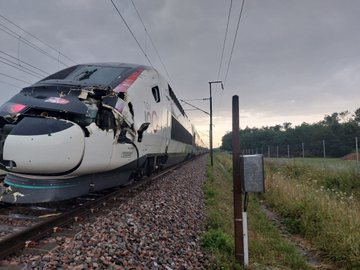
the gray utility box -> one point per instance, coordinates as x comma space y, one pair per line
252, 173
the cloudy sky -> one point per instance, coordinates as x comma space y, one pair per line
293, 61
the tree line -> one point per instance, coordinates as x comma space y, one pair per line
337, 132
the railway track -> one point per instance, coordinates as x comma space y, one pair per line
23, 226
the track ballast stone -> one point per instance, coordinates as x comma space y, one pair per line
156, 227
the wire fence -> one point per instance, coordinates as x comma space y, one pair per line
326, 149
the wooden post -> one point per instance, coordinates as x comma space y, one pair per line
238, 222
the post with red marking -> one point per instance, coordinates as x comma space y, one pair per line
238, 222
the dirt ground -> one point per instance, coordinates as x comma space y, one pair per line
304, 246
351, 156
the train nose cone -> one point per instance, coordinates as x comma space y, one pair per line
44, 146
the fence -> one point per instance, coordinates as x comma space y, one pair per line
324, 149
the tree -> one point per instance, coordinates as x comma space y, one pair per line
287, 125
331, 119
357, 116
344, 116
338, 130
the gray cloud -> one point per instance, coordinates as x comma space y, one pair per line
293, 61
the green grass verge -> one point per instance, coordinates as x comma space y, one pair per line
322, 206
267, 248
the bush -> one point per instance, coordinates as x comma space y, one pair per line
215, 239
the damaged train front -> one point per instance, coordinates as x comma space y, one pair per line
39, 137
63, 128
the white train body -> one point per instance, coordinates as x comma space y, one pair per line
91, 127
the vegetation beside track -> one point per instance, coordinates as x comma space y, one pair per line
338, 131
319, 204
267, 247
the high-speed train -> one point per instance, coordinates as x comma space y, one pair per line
90, 127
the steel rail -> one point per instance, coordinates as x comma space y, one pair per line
19, 240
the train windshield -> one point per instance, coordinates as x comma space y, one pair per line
89, 74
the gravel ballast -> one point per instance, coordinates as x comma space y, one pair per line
156, 227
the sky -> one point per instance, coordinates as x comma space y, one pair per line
293, 61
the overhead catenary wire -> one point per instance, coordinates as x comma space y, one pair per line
226, 32
128, 27
196, 108
11, 77
15, 35
13, 85
195, 99
20, 67
151, 40
23, 69
222, 55
38, 39
26, 63
234, 41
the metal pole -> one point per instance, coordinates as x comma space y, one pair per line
211, 131
324, 148
288, 147
357, 152
211, 124
277, 151
268, 151
238, 224
303, 149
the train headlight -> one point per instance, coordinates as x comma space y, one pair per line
12, 108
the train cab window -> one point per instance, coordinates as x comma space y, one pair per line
156, 93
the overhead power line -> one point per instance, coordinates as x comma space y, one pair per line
23, 69
38, 39
226, 32
196, 108
29, 43
128, 27
152, 42
17, 59
11, 77
13, 85
234, 41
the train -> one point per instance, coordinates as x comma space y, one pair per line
91, 127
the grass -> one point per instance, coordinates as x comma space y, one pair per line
267, 248
320, 205
333, 164
336, 176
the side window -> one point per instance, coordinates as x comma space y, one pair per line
156, 93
